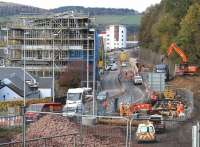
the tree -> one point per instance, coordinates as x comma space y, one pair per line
189, 34
73, 75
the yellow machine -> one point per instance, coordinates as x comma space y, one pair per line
146, 132
169, 93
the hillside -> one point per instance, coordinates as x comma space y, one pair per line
8, 9
170, 22
104, 16
95, 11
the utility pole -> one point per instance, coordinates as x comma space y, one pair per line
24, 106
53, 81
94, 72
88, 60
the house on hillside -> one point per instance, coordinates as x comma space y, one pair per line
12, 85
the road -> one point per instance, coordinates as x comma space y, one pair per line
124, 90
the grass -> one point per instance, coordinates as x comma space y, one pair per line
8, 133
119, 19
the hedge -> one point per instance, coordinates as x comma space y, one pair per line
16, 104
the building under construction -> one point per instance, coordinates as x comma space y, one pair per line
45, 40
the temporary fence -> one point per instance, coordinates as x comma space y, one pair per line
106, 131
10, 121
51, 141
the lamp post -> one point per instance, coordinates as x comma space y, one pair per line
94, 71
88, 62
53, 81
24, 119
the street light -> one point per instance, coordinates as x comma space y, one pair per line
24, 121
94, 70
53, 81
88, 61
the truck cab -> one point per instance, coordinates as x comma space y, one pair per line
76, 98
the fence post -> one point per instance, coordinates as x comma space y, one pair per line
197, 134
194, 136
127, 134
130, 132
75, 141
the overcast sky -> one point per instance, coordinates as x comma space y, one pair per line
139, 5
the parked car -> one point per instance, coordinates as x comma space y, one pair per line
114, 67
137, 80
124, 64
33, 111
108, 67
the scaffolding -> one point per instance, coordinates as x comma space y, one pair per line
67, 35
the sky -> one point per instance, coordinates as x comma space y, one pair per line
139, 5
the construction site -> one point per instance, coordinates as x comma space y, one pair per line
45, 40
142, 99
124, 113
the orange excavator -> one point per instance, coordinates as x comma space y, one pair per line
183, 68
129, 109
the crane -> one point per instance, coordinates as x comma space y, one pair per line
183, 68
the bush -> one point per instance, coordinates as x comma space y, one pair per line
18, 103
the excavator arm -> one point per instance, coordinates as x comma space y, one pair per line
179, 51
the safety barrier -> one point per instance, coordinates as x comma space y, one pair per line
10, 121
107, 131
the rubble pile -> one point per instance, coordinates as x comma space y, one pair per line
53, 125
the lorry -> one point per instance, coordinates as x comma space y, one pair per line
76, 98
146, 132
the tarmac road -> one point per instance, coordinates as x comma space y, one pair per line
125, 91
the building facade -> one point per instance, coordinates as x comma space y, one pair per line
44, 40
116, 36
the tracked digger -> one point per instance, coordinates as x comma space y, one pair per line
184, 68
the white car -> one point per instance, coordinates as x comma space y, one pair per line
108, 67
138, 80
114, 67
124, 64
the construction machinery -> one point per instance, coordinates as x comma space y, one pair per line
129, 109
183, 68
146, 132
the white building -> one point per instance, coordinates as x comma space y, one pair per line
116, 36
